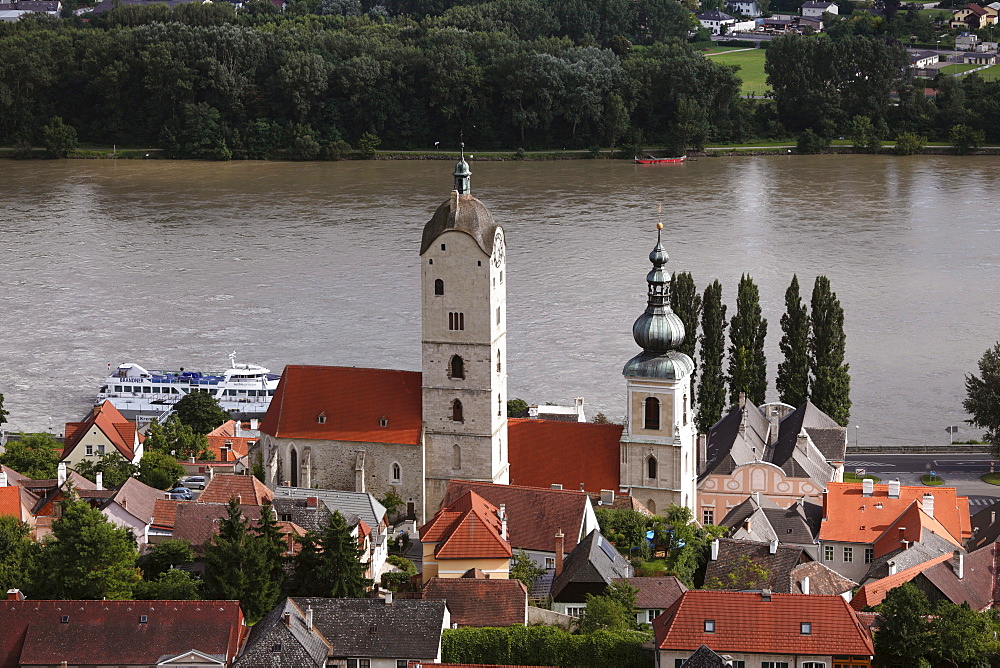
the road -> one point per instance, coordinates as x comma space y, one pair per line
959, 471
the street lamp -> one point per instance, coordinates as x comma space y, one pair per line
857, 432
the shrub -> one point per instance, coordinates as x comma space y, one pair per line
59, 139
965, 139
368, 144
395, 581
402, 563
546, 646
519, 153
810, 142
909, 143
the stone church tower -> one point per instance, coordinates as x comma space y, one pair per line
463, 273
658, 448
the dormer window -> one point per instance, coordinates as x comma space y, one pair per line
806, 628
709, 626
383, 421
143, 619
321, 418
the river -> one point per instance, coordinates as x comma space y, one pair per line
178, 263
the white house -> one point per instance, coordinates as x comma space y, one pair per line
744, 8
816, 9
921, 59
718, 22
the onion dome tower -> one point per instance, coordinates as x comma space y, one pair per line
658, 442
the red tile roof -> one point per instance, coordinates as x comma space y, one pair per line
543, 452
978, 586
480, 602
198, 523
854, 518
165, 513
746, 623
224, 436
873, 593
655, 592
10, 502
108, 420
352, 402
32, 632
910, 526
534, 515
246, 488
468, 528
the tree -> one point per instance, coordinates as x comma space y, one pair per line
830, 377
176, 439
745, 574
196, 131
747, 332
17, 553
959, 635
614, 610
712, 383
864, 135
392, 502
257, 467
341, 570
115, 469
982, 399
3, 413
305, 577
174, 585
368, 144
903, 634
525, 570
87, 558
201, 412
58, 138
909, 143
34, 456
163, 557
159, 470
272, 543
792, 380
516, 408
965, 139
686, 303
688, 543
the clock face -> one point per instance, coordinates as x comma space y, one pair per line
498, 248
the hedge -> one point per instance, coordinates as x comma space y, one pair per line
546, 646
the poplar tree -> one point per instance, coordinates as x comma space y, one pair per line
686, 303
793, 373
830, 380
747, 331
712, 384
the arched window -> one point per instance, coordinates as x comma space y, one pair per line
651, 506
652, 413
438, 286
456, 411
456, 368
456, 456
294, 467
651, 467
397, 473
498, 361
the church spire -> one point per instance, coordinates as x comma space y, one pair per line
658, 329
463, 175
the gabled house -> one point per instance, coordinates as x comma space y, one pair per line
773, 564
972, 17
348, 632
230, 442
469, 533
47, 496
105, 430
761, 519
655, 595
474, 600
245, 488
131, 506
715, 21
15, 500
817, 9
161, 525
592, 565
748, 8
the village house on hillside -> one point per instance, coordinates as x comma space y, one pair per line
104, 430
469, 533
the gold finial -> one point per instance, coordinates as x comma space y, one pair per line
659, 212
659, 226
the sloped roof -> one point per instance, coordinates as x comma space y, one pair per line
978, 586
481, 602
223, 487
595, 561
930, 547
873, 593
32, 632
467, 215
985, 527
655, 593
544, 452
361, 505
823, 580
224, 436
309, 517
746, 623
197, 523
165, 513
299, 645
799, 523
913, 525
352, 401
468, 528
704, 657
739, 436
138, 499
105, 417
534, 515
15, 500
779, 565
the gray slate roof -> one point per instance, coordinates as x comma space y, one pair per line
360, 504
272, 643
310, 519
714, 15
985, 527
593, 560
930, 547
798, 523
704, 657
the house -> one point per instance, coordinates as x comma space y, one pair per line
755, 627
131, 507
985, 528
104, 430
572, 413
785, 453
873, 593
198, 523
717, 22
474, 600
972, 17
812, 22
245, 488
46, 496
980, 59
535, 516
729, 558
921, 59
13, 11
119, 633
161, 524
907, 556
862, 522
351, 632
592, 565
655, 595
761, 519
966, 42
15, 500
817, 9
748, 8
311, 514
468, 533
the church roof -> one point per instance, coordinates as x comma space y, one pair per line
544, 452
346, 404
463, 213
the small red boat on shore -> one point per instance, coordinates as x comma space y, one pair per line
650, 160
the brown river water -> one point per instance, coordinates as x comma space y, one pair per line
172, 264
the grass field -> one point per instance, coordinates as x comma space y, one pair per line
933, 13
955, 69
751, 63
990, 74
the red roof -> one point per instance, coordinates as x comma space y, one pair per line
246, 488
346, 404
224, 436
481, 602
33, 633
113, 424
850, 517
910, 527
744, 622
468, 528
543, 452
165, 513
11, 503
874, 593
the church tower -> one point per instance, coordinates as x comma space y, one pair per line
463, 273
658, 460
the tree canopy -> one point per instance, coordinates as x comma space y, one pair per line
830, 378
34, 455
712, 349
200, 411
792, 380
982, 399
747, 332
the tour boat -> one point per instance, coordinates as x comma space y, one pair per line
245, 390
650, 160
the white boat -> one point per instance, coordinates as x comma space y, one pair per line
245, 390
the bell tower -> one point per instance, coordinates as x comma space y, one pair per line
658, 460
464, 332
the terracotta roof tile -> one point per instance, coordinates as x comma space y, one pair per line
658, 593
139, 499
978, 586
197, 523
874, 593
165, 513
468, 528
224, 436
112, 424
477, 602
352, 401
543, 452
10, 502
911, 526
746, 623
247, 488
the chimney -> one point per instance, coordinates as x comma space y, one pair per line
867, 487
959, 564
560, 545
746, 524
772, 434
191, 459
893, 489
555, 485
765, 595
805, 585
288, 619
97, 409
309, 618
993, 515
100, 480
3, 478
607, 497
715, 550
312, 502
802, 442
503, 521
239, 499
893, 569
928, 504
15, 595
773, 546
208, 475
743, 415
253, 424
582, 488
388, 597
124, 503
578, 403
61, 475
756, 498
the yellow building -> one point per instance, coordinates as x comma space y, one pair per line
471, 533
104, 431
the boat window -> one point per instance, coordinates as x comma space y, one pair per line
118, 388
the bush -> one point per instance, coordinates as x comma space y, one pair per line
59, 139
546, 646
519, 153
965, 139
402, 563
810, 143
395, 581
594, 152
909, 143
368, 144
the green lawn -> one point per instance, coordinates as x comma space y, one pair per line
990, 74
955, 69
927, 480
751, 63
933, 13
849, 476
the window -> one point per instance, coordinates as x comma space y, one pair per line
848, 555
402, 663
651, 467
550, 563
501, 277
498, 315
143, 619
456, 367
367, 663
100, 449
442, 247
806, 628
286, 517
574, 612
828, 553
276, 647
652, 413
499, 406
678, 663
652, 614
456, 321
709, 626
813, 664
118, 388
498, 361
456, 456
774, 664
869, 555
396, 472
431, 261
685, 410
438, 286
383, 421
90, 451
708, 516
456, 411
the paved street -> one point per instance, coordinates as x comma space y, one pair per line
961, 471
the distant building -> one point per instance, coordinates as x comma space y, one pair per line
747, 8
104, 431
817, 9
715, 21
920, 60
966, 42
475, 600
592, 565
654, 595
13, 11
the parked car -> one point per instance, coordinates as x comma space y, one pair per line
195, 482
181, 493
